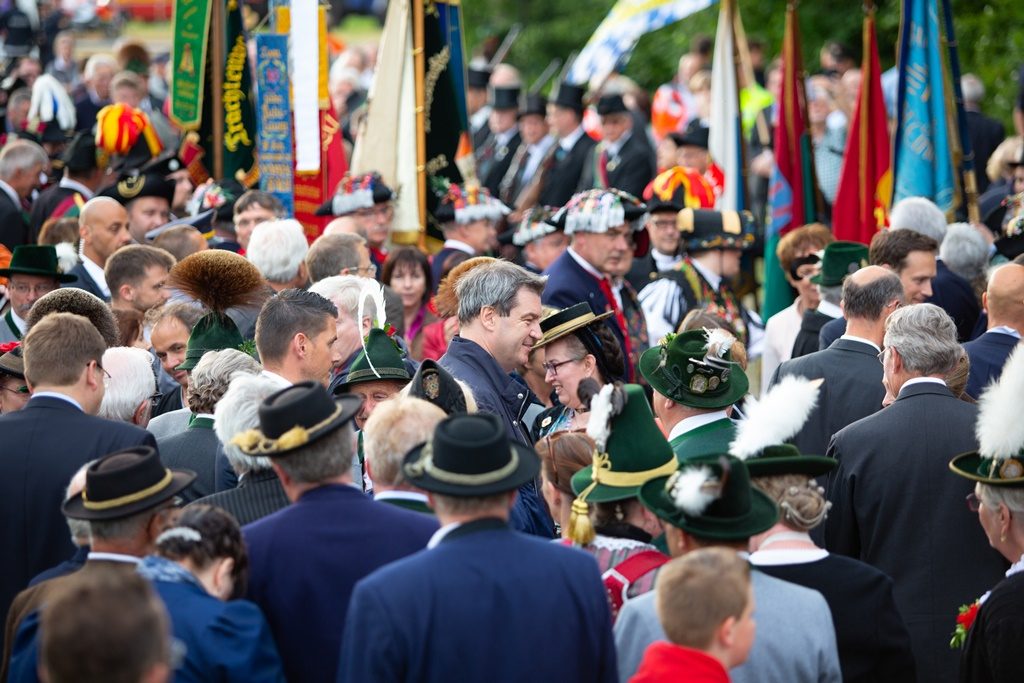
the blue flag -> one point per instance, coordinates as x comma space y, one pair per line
923, 161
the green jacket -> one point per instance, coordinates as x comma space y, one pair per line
709, 439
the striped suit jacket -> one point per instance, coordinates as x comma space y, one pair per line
258, 494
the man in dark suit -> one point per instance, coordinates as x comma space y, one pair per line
82, 177
95, 91
623, 159
536, 147
985, 132
1004, 302
495, 156
853, 376
305, 560
420, 618
895, 499
574, 146
48, 440
21, 163
103, 225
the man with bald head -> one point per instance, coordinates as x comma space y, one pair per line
103, 227
853, 376
1004, 302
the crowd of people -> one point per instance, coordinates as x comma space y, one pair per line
564, 447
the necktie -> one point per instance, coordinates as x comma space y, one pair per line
620, 320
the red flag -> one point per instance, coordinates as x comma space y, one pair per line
865, 184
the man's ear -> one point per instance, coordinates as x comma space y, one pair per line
725, 634
488, 318
300, 344
984, 301
139, 414
126, 292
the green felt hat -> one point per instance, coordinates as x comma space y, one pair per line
839, 260
787, 459
36, 259
635, 451
379, 359
681, 368
213, 332
711, 498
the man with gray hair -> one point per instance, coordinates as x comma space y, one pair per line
131, 389
499, 322
21, 163
259, 492
342, 254
985, 132
894, 497
196, 448
98, 73
278, 249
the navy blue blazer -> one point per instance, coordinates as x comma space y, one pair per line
42, 446
437, 265
305, 560
486, 604
85, 282
988, 354
955, 296
569, 284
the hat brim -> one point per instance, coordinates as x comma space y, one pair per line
601, 493
527, 470
573, 327
968, 465
75, 507
737, 387
347, 406
762, 515
362, 376
63, 278
809, 465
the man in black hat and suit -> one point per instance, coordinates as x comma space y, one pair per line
563, 171
533, 151
305, 560
45, 442
21, 163
494, 157
478, 76
622, 159
128, 501
421, 616
81, 178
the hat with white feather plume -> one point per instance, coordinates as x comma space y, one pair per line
380, 357
999, 460
695, 369
777, 417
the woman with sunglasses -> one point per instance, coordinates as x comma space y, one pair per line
577, 344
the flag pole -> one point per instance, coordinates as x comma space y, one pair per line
734, 17
745, 64
967, 160
421, 139
216, 63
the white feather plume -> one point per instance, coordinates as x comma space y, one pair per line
51, 103
599, 424
719, 341
778, 416
67, 256
690, 491
1000, 429
375, 292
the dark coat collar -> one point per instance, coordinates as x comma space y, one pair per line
476, 526
51, 402
922, 388
853, 345
472, 354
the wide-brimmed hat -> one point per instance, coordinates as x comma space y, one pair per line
839, 260
295, 417
126, 483
355, 192
704, 229
470, 456
599, 211
36, 259
379, 359
711, 497
435, 384
12, 362
679, 188
695, 369
567, 321
999, 460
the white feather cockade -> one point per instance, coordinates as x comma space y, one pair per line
599, 426
690, 490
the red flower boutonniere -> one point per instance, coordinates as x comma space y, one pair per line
390, 330
964, 620
8, 347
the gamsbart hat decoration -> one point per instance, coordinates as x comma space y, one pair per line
696, 369
999, 460
380, 357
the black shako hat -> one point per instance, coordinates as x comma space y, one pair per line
80, 155
570, 96
477, 78
125, 483
469, 456
435, 384
295, 417
611, 104
131, 187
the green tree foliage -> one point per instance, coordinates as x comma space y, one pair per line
988, 45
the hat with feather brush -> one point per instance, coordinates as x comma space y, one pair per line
219, 280
999, 460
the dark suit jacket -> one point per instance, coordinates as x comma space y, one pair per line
44, 205
42, 446
422, 618
852, 389
831, 331
258, 495
642, 272
13, 223
305, 560
807, 339
898, 507
988, 354
955, 296
569, 284
985, 134
193, 449
630, 170
437, 265
85, 282
561, 181
499, 164
86, 111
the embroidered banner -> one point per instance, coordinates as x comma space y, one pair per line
188, 65
274, 143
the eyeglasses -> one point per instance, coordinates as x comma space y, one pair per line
106, 375
973, 502
17, 390
370, 270
552, 366
40, 290
154, 399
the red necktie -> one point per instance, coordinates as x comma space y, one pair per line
620, 320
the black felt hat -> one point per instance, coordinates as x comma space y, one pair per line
295, 417
126, 483
80, 155
165, 163
570, 96
469, 456
534, 105
477, 78
131, 187
695, 136
36, 259
611, 104
504, 97
435, 384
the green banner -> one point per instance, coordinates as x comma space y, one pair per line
188, 66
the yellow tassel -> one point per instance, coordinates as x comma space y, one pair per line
581, 530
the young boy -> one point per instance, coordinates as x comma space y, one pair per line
705, 604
